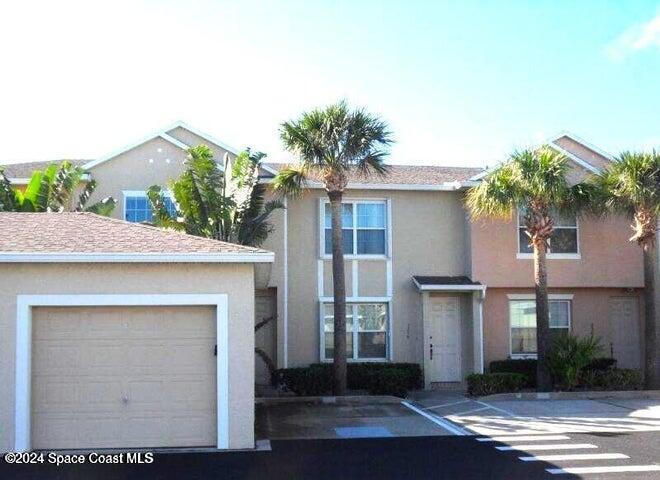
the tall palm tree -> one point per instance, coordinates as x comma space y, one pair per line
53, 190
532, 182
225, 204
330, 143
632, 186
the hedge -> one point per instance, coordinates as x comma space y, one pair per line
613, 379
377, 378
526, 367
481, 384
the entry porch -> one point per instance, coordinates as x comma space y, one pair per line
452, 309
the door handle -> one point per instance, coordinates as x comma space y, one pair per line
431, 351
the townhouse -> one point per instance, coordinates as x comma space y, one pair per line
425, 284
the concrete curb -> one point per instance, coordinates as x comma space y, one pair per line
347, 400
621, 395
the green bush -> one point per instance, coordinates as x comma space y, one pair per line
525, 367
305, 381
390, 381
569, 356
378, 378
613, 379
601, 363
481, 384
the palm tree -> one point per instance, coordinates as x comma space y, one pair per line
225, 204
330, 143
533, 182
52, 190
632, 186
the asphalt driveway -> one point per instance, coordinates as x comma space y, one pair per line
349, 417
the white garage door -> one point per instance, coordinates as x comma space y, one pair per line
624, 331
123, 377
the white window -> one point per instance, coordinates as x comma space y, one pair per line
364, 228
522, 318
564, 239
137, 207
366, 331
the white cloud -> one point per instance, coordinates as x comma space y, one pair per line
638, 37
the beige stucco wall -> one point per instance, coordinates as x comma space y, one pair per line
144, 166
608, 259
235, 280
441, 250
589, 313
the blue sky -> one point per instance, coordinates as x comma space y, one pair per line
460, 83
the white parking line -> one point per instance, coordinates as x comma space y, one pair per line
447, 404
549, 446
612, 469
438, 421
522, 438
574, 456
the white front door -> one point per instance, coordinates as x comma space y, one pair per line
624, 331
444, 339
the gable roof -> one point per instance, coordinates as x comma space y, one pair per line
552, 142
163, 133
86, 237
402, 177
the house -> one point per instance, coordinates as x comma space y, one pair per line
424, 283
119, 335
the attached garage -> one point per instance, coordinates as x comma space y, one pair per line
124, 348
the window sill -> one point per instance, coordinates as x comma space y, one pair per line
550, 256
523, 356
358, 257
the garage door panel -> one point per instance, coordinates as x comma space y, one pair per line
124, 377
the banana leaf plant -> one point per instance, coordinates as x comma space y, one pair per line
53, 190
226, 204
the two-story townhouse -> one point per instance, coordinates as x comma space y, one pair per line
424, 283
595, 276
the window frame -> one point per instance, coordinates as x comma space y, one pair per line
355, 302
355, 202
557, 256
140, 194
565, 298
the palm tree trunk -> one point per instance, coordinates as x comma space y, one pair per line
544, 381
339, 295
651, 353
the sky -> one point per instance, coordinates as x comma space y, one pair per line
459, 83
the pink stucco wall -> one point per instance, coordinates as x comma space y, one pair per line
589, 314
607, 258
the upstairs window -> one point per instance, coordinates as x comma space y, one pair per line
564, 237
364, 228
137, 207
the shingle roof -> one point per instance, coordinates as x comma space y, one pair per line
410, 175
89, 234
444, 280
25, 169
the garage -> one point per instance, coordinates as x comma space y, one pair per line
124, 336
123, 377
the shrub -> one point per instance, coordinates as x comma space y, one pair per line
481, 384
306, 381
601, 363
378, 378
569, 356
525, 367
614, 379
391, 381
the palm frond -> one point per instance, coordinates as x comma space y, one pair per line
291, 180
8, 201
103, 207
